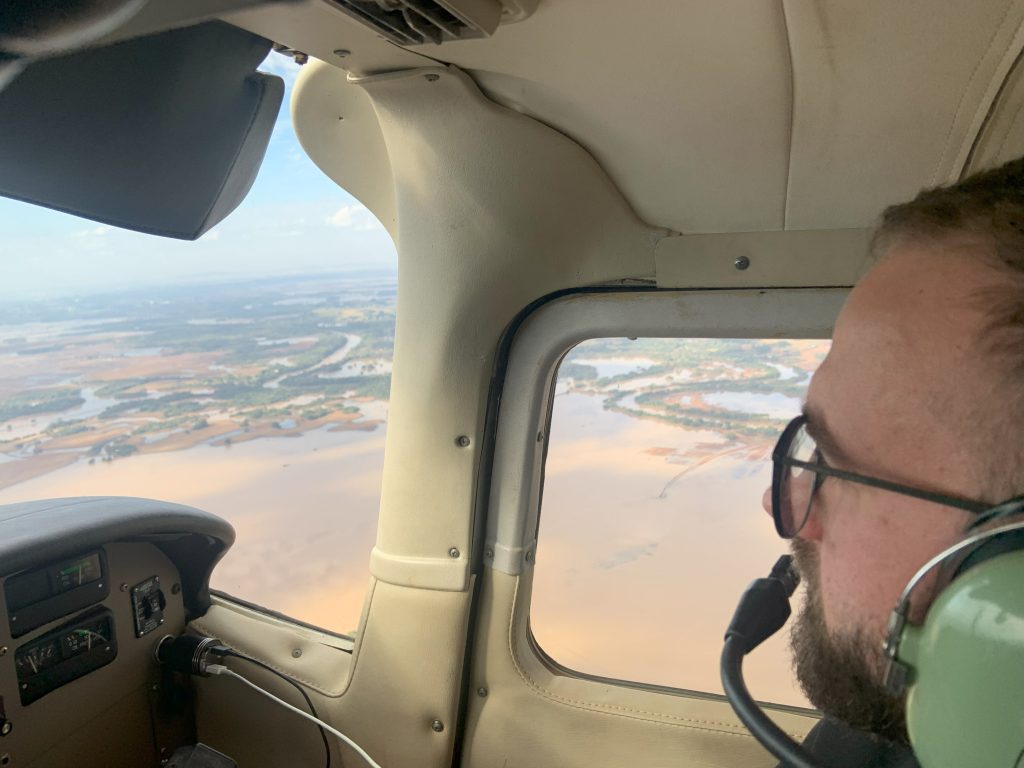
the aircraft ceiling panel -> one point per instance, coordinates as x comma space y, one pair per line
685, 104
688, 105
889, 98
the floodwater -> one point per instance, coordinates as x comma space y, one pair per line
642, 555
304, 511
641, 558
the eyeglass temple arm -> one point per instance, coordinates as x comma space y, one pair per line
974, 507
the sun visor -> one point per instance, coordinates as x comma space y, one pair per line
162, 134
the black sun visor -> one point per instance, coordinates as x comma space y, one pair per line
162, 134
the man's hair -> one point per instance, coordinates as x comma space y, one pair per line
987, 208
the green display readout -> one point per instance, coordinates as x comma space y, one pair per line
77, 572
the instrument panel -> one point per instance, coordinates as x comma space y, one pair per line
76, 657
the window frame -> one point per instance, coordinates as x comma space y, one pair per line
536, 351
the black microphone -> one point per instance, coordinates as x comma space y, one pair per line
762, 611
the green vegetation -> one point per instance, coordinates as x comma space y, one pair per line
40, 401
578, 371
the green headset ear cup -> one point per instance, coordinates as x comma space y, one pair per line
965, 704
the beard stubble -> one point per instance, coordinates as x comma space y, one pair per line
841, 674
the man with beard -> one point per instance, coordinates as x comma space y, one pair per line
920, 390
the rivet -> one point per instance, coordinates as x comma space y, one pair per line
528, 556
432, 78
3, 650
100, 585
175, 588
296, 653
489, 553
5, 759
540, 437
454, 553
462, 441
481, 692
437, 726
342, 53
124, 586
6, 728
741, 263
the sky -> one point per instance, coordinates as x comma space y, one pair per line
294, 220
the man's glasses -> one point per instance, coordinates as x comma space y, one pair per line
799, 470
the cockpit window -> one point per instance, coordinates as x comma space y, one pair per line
651, 523
246, 374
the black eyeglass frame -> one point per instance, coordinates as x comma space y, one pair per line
781, 461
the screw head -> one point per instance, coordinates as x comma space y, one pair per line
296, 653
3, 650
437, 726
528, 556
124, 586
342, 53
741, 263
481, 692
432, 77
6, 728
454, 553
462, 441
175, 588
489, 553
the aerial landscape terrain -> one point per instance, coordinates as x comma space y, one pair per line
104, 377
265, 401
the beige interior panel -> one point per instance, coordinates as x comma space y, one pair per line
1002, 138
533, 717
888, 98
696, 136
476, 184
335, 123
791, 258
403, 675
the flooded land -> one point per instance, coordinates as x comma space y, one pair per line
265, 402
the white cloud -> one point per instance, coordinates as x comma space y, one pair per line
93, 232
356, 217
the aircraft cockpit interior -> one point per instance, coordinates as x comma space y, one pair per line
560, 180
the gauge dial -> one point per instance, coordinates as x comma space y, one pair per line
34, 660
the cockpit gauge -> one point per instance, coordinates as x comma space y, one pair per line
65, 654
41, 595
73, 574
